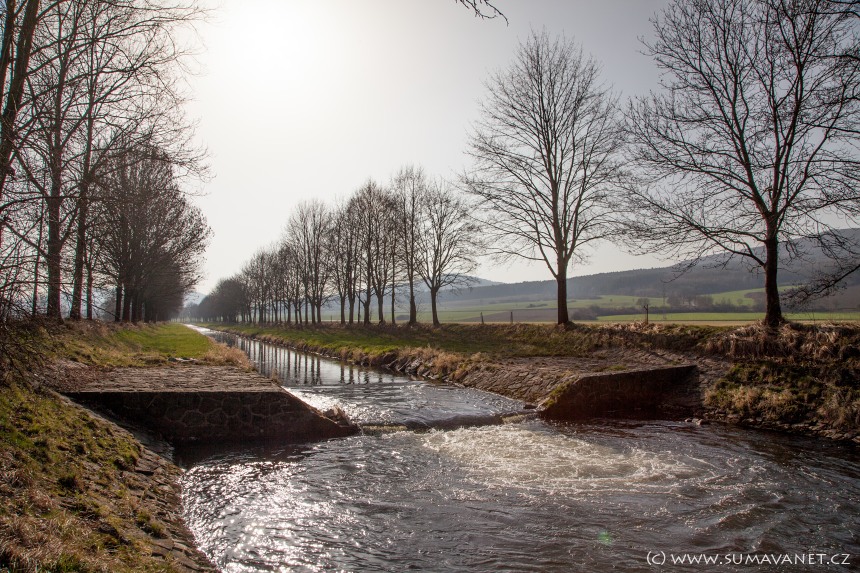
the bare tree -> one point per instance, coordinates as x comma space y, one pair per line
447, 242
753, 141
368, 206
100, 74
150, 236
342, 260
410, 189
545, 157
127, 61
309, 229
383, 244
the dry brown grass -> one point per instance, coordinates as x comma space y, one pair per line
791, 340
841, 408
223, 355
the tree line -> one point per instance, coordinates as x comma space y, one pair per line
749, 149
379, 244
94, 150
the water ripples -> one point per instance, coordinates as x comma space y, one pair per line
516, 497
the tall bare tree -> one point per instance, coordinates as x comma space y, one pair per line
342, 260
753, 141
309, 229
368, 206
448, 242
545, 153
409, 186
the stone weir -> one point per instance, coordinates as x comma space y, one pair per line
209, 404
647, 393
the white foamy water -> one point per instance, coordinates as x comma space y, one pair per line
532, 456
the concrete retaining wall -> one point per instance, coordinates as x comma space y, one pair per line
659, 392
187, 416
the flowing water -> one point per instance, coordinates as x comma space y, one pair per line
529, 496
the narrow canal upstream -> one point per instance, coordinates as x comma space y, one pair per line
444, 489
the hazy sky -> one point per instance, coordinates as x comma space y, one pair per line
301, 99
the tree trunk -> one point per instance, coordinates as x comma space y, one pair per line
54, 258
80, 253
38, 260
90, 281
36, 283
433, 292
380, 302
367, 308
773, 310
393, 284
126, 303
343, 309
117, 312
561, 280
136, 307
413, 308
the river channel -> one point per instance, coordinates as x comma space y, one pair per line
441, 488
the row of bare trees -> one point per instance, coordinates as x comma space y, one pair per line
751, 145
379, 244
93, 148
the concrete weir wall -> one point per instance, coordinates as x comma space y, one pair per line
656, 392
209, 405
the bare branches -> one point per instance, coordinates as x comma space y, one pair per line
447, 242
752, 143
151, 238
102, 78
483, 9
545, 154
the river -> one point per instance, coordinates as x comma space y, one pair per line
526, 496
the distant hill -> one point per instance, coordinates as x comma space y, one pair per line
469, 281
713, 274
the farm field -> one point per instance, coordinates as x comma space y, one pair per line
731, 316
545, 310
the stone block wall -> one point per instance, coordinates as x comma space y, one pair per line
671, 392
188, 416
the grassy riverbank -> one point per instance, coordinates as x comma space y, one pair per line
110, 345
494, 340
78, 493
799, 378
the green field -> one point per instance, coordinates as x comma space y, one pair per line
729, 316
111, 345
545, 310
